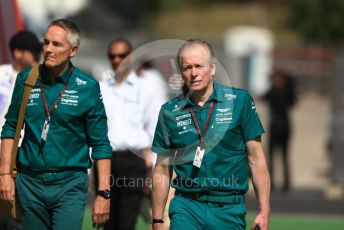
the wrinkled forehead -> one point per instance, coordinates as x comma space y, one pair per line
57, 27
195, 53
55, 32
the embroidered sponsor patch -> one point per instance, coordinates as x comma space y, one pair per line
69, 98
230, 96
80, 82
34, 95
69, 101
183, 116
183, 123
71, 91
223, 110
224, 118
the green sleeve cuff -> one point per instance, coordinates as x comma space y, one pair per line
161, 151
7, 134
254, 135
101, 155
103, 151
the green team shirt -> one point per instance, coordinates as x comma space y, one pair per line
234, 121
78, 123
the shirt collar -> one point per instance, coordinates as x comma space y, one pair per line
218, 94
131, 79
65, 75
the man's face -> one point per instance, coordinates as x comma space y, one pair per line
117, 52
278, 81
197, 70
57, 49
24, 57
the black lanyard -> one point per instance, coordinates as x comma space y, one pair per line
53, 108
198, 128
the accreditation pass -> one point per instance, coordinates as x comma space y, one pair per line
198, 157
45, 129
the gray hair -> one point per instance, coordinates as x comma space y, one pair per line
192, 42
72, 29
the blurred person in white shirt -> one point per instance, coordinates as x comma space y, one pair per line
26, 50
156, 83
132, 111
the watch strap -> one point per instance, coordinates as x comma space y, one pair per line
157, 221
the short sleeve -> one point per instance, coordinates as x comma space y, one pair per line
250, 123
161, 142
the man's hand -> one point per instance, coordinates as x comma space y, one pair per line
101, 206
101, 211
7, 189
262, 220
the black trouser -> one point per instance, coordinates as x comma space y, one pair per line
129, 172
9, 224
282, 144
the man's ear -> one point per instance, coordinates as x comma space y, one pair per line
213, 69
74, 51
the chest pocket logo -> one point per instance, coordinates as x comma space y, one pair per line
70, 98
34, 95
224, 116
183, 123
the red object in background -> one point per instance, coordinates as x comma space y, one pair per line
11, 21
19, 17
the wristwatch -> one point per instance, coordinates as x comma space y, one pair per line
157, 221
104, 193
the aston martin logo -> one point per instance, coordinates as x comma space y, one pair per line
223, 110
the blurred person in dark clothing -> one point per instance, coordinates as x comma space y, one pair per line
280, 98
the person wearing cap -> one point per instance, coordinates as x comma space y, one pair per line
65, 117
211, 134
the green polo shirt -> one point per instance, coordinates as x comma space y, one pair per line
224, 168
78, 123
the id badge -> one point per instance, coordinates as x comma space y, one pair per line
45, 129
198, 157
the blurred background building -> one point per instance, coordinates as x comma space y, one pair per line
252, 38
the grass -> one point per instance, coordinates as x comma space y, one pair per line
278, 222
304, 222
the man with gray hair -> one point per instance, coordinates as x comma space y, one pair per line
65, 117
211, 134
